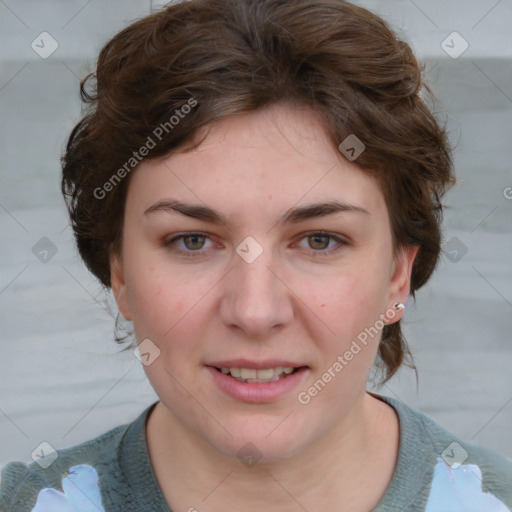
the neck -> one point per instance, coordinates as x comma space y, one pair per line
336, 471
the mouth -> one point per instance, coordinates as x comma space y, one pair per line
257, 382
260, 375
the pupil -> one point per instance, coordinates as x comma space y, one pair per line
316, 237
194, 237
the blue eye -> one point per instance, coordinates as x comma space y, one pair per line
192, 244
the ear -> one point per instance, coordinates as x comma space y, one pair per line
118, 283
400, 283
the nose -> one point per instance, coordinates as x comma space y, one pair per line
255, 297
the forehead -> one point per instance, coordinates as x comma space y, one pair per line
279, 155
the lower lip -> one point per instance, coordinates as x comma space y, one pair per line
257, 392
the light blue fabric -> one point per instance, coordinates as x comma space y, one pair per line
81, 493
459, 489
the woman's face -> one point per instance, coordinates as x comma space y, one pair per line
255, 285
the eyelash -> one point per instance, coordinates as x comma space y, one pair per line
200, 252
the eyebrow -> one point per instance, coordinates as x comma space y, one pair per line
291, 216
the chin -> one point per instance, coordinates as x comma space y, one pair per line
262, 442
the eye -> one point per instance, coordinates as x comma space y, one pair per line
193, 244
319, 241
190, 243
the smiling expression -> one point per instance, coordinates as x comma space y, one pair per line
320, 268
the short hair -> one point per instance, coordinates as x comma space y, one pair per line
228, 57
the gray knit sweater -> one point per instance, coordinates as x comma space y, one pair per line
435, 472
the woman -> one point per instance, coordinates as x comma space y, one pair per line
260, 184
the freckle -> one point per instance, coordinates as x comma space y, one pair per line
322, 305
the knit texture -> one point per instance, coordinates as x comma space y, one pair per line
434, 469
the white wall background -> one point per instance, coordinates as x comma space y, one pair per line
62, 379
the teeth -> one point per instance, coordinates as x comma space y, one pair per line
249, 373
235, 372
252, 375
260, 374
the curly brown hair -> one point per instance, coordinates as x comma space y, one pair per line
228, 57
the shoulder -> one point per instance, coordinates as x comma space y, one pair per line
456, 452
454, 471
55, 475
483, 475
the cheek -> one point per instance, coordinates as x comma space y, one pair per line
151, 293
350, 306
351, 300
158, 306
167, 303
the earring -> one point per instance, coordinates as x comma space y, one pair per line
399, 306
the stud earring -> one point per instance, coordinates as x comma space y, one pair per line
399, 306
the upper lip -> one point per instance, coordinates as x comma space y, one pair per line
257, 365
